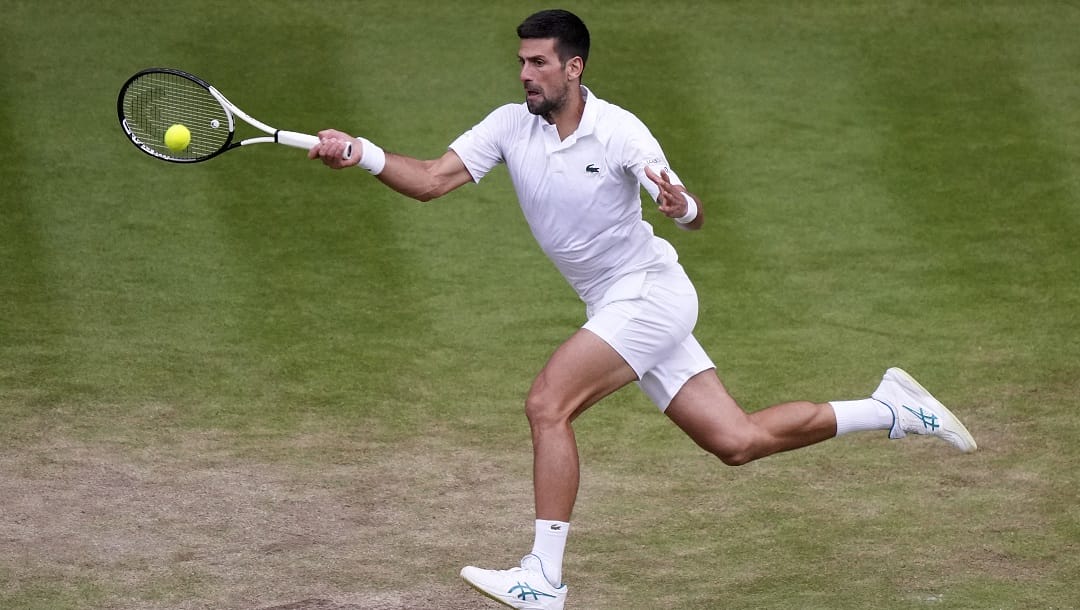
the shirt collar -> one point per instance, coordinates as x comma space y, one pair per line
585, 126
588, 116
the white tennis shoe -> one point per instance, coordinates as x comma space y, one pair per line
916, 411
525, 588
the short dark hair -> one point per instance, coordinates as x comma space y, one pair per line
570, 34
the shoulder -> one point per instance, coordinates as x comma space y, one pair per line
616, 124
511, 109
510, 113
610, 114
622, 132
504, 121
625, 136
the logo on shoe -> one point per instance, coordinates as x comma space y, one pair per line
929, 420
523, 590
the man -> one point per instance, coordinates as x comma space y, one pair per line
577, 164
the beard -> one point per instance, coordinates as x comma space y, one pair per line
545, 106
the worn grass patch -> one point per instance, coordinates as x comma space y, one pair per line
189, 523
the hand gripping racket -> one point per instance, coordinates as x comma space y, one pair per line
155, 99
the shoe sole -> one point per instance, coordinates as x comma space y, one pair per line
481, 591
955, 426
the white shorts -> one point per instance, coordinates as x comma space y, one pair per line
648, 318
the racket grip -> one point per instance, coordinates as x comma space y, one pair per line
305, 141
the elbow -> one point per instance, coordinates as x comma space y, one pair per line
426, 195
432, 188
424, 192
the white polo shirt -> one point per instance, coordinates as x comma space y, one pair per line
581, 195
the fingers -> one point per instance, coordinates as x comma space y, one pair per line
332, 147
660, 180
672, 205
651, 175
670, 200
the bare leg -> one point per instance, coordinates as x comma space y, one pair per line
709, 415
582, 370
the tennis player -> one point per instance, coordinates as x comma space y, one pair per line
578, 164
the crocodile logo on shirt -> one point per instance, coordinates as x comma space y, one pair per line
592, 169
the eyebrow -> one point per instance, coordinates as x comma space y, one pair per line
537, 56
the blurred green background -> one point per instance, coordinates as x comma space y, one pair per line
887, 183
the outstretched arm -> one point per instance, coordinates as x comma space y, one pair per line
421, 180
673, 202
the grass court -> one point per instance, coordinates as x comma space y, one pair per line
256, 383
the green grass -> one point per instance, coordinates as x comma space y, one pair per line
886, 184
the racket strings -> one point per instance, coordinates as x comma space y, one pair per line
156, 101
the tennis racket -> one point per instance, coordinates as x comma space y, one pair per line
155, 99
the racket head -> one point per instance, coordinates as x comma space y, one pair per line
154, 99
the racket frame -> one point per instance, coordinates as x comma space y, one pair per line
294, 139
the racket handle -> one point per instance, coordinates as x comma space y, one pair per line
305, 141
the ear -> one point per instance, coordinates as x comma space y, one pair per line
574, 67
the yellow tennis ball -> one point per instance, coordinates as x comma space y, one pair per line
177, 137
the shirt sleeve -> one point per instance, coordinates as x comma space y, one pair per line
481, 148
641, 150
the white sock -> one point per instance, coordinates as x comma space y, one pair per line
549, 545
860, 415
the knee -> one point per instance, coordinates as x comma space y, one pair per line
544, 411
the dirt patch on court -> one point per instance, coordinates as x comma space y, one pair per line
191, 525
315, 604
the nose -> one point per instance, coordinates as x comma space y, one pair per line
525, 74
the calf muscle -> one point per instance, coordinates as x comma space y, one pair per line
711, 417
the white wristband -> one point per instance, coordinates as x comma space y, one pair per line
372, 158
691, 211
